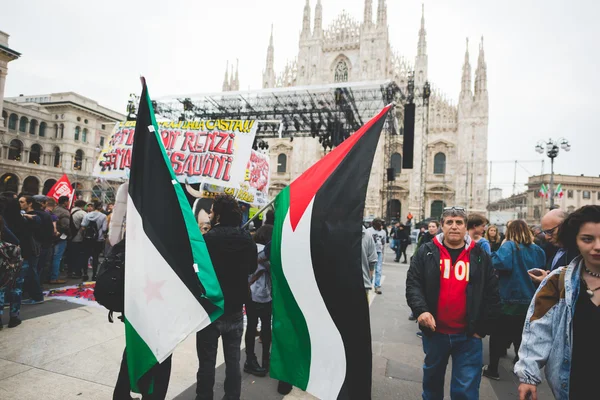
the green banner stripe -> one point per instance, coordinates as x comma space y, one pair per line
290, 358
139, 356
206, 272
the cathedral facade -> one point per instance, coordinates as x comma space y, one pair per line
450, 152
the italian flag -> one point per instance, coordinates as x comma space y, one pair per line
321, 325
171, 289
559, 191
543, 190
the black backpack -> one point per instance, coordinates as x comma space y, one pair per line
110, 281
91, 231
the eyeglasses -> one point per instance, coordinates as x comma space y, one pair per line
550, 232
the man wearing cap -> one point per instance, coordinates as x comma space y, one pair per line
452, 289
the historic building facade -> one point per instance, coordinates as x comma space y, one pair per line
43, 137
450, 165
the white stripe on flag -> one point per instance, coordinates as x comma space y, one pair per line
157, 303
328, 357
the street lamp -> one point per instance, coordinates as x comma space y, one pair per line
552, 148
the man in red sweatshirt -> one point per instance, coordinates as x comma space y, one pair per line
452, 289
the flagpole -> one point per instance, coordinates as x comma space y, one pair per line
258, 213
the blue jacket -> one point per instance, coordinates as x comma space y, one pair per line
513, 263
548, 332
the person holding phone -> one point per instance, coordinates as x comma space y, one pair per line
563, 320
513, 259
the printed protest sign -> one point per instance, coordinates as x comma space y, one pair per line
208, 151
216, 153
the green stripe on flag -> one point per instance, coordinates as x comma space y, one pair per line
291, 350
207, 276
144, 359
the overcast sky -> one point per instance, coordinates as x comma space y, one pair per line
542, 58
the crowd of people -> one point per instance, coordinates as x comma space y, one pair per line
535, 288
52, 239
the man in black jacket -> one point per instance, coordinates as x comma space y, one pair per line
234, 257
452, 289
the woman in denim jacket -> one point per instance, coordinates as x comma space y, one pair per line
563, 320
517, 255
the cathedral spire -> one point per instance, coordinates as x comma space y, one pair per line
422, 47
421, 59
269, 72
318, 28
236, 81
226, 80
306, 20
368, 18
465, 91
481, 73
381, 14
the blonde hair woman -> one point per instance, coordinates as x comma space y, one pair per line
513, 260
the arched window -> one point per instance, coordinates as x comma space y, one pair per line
57, 157
43, 129
341, 72
31, 185
78, 188
396, 163
15, 150
32, 125
35, 153
12, 122
48, 185
77, 129
281, 163
394, 211
439, 163
56, 130
62, 131
78, 160
5, 118
9, 183
23, 124
437, 207
84, 135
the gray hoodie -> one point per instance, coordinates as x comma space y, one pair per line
261, 288
368, 257
77, 214
100, 220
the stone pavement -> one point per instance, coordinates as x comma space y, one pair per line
68, 351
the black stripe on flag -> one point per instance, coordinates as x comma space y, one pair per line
152, 192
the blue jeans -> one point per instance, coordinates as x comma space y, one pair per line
59, 250
378, 269
467, 361
15, 293
230, 328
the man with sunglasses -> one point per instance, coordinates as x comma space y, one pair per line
556, 256
452, 289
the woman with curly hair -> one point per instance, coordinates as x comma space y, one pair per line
563, 320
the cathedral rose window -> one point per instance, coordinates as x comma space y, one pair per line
341, 72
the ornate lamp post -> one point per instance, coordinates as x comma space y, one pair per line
552, 148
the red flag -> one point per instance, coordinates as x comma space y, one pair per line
62, 188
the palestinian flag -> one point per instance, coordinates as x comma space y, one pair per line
171, 289
321, 324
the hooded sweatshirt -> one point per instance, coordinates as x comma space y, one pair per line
454, 278
100, 220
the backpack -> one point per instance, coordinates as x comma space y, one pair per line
91, 231
10, 264
44, 233
110, 281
